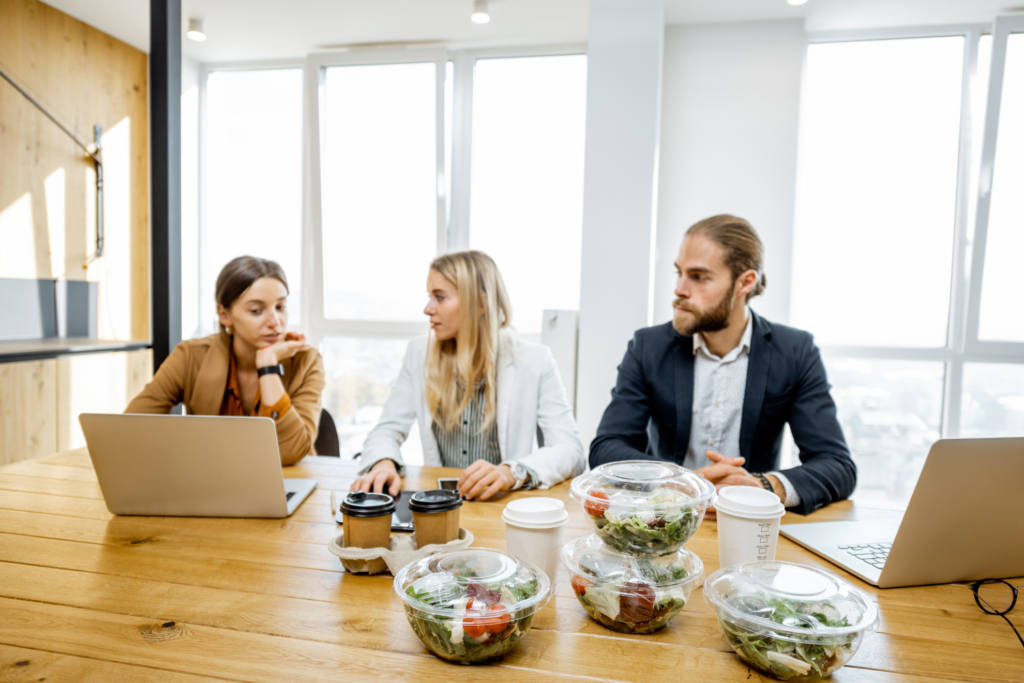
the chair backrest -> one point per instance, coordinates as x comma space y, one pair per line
327, 436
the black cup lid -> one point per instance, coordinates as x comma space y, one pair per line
363, 504
439, 500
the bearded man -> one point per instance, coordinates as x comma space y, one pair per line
713, 389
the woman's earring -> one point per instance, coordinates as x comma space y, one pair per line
230, 333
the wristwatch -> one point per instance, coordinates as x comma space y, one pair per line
519, 473
270, 370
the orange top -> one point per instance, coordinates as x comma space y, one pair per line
233, 407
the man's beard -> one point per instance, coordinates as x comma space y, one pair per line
712, 320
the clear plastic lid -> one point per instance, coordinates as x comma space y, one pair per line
790, 601
444, 583
590, 559
641, 485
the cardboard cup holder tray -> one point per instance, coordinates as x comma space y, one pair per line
402, 550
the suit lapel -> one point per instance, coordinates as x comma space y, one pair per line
757, 380
684, 395
212, 379
505, 379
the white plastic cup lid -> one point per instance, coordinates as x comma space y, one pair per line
536, 513
747, 501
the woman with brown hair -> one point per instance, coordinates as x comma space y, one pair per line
482, 398
253, 367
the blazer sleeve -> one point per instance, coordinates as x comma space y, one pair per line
297, 428
384, 442
561, 455
828, 472
167, 388
622, 434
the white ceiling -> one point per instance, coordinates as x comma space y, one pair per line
274, 29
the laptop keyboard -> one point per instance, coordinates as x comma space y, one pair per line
288, 496
874, 554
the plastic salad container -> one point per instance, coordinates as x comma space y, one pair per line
472, 605
630, 594
643, 507
788, 620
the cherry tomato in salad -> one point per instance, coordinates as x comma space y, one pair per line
580, 585
497, 619
475, 627
636, 602
596, 508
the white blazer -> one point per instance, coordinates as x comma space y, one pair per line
531, 406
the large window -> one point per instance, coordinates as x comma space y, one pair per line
355, 169
892, 268
252, 180
527, 178
379, 187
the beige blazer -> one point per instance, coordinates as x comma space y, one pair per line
196, 374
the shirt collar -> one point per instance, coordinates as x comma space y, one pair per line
744, 345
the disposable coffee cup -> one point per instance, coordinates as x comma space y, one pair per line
435, 516
533, 531
367, 519
748, 524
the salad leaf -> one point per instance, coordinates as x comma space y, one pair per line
781, 657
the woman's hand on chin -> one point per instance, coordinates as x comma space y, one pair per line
382, 478
292, 343
481, 480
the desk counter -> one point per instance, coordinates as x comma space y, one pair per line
85, 595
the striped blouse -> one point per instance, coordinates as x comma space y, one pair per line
466, 444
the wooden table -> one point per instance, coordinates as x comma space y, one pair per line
86, 596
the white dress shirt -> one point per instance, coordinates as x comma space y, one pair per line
719, 385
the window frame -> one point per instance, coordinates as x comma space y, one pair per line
962, 344
1003, 27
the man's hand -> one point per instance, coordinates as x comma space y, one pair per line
382, 478
484, 480
727, 472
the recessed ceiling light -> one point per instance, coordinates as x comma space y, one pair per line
796, 2
480, 15
195, 30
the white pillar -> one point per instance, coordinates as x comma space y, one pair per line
624, 56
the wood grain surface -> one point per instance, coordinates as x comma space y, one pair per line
86, 595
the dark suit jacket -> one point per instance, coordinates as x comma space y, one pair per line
652, 405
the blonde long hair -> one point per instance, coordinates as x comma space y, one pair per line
455, 366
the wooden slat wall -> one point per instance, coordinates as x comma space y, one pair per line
85, 77
28, 409
40, 401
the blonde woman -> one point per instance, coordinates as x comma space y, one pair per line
481, 396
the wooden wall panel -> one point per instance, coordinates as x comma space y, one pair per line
96, 383
47, 223
28, 409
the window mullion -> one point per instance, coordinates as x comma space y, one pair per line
462, 135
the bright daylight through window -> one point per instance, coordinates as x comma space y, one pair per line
880, 163
253, 178
379, 189
527, 185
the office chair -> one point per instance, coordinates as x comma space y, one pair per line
327, 436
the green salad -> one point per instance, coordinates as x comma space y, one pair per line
785, 656
638, 524
627, 593
463, 617
638, 606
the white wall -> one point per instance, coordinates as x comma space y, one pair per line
729, 144
620, 176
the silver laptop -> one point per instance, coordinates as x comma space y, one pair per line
964, 522
191, 466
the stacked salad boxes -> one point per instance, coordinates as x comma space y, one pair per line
633, 573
